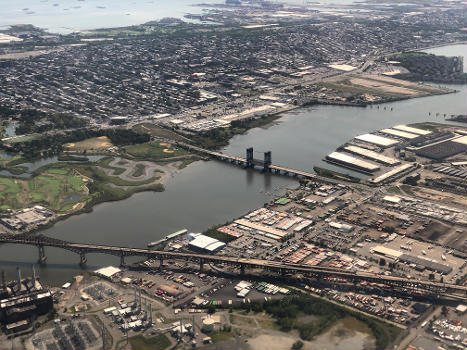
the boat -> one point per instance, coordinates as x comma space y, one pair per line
167, 238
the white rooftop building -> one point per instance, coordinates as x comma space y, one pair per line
204, 243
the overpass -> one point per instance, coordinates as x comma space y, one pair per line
390, 284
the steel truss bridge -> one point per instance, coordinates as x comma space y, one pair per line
389, 284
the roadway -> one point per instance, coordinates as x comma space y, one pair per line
437, 289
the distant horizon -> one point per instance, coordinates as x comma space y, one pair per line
81, 15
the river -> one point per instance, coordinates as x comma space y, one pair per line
207, 193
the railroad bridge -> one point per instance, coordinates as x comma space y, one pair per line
357, 279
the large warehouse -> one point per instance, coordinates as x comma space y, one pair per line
377, 140
204, 243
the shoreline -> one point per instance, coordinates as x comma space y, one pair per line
158, 184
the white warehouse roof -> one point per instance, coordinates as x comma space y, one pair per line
108, 271
344, 158
372, 155
377, 140
206, 243
403, 134
412, 130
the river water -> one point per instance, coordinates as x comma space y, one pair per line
66, 16
207, 193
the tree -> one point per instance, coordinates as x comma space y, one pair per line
297, 345
211, 309
382, 262
444, 310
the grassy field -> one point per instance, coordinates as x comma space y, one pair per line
159, 342
139, 170
160, 132
154, 151
23, 138
50, 188
94, 144
220, 336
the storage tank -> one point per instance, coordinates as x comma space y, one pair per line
208, 325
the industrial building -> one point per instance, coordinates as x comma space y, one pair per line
202, 243
21, 301
372, 155
420, 263
352, 162
411, 129
380, 141
399, 171
399, 133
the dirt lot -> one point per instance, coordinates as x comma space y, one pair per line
384, 86
434, 231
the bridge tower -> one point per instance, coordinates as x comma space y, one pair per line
249, 157
42, 257
267, 161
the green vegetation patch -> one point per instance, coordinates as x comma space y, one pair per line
50, 188
154, 150
335, 175
219, 137
160, 132
282, 201
105, 163
159, 342
139, 170
57, 171
221, 336
221, 236
8, 186
291, 313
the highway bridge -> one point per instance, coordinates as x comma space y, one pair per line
429, 289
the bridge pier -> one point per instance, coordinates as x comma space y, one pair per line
201, 265
42, 257
82, 259
122, 260
267, 161
161, 263
242, 269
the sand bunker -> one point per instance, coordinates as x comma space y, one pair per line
166, 150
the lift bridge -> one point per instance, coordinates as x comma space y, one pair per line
264, 165
369, 281
251, 162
